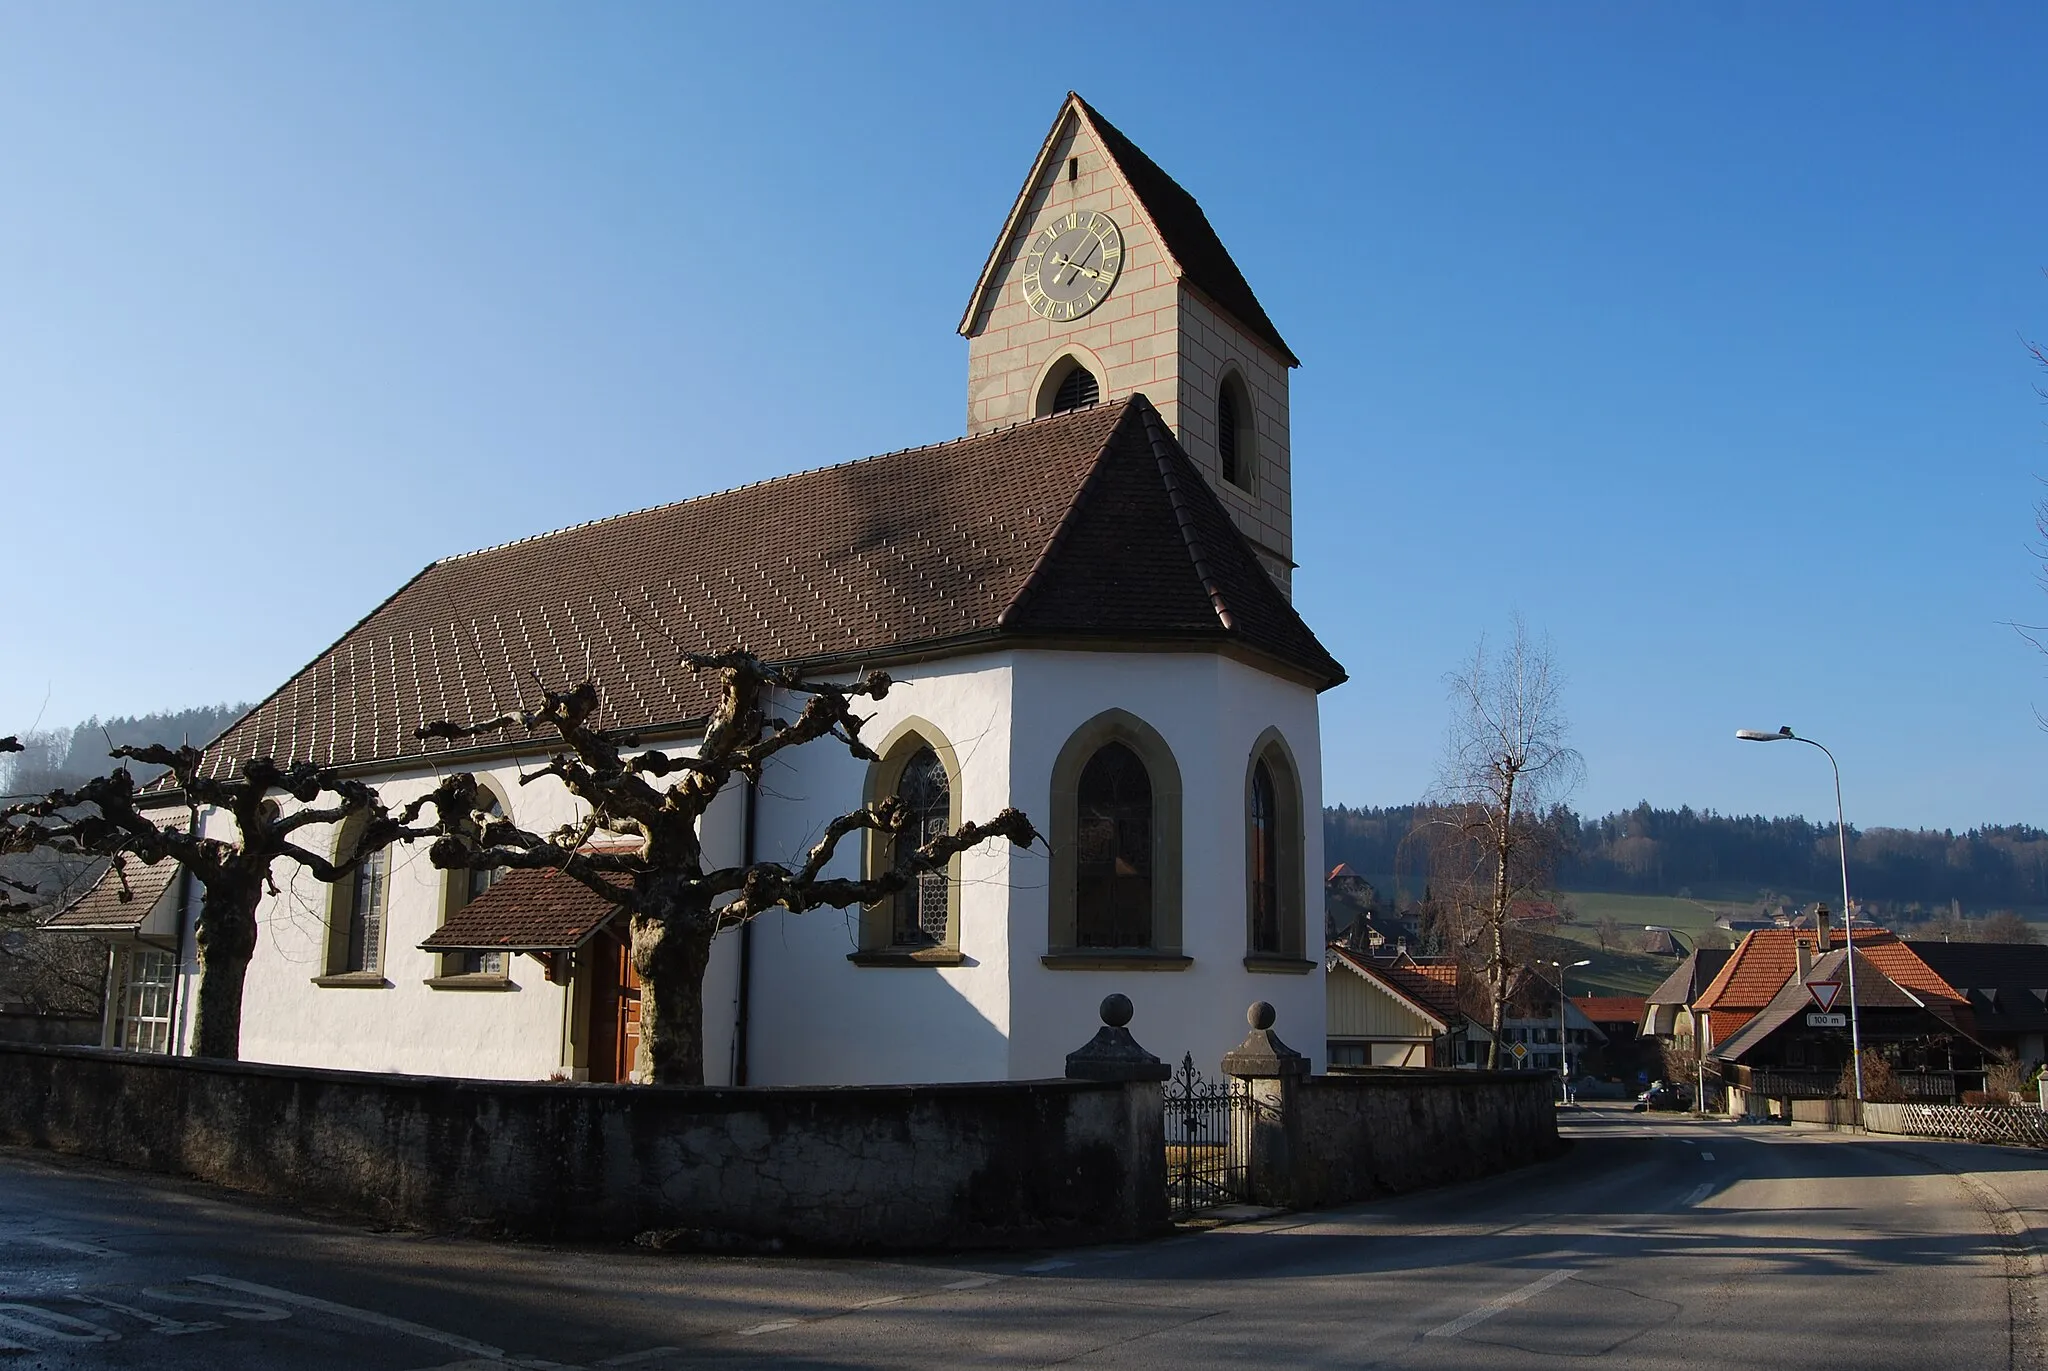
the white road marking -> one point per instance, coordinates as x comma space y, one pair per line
1492, 1307
1050, 1264
87, 1249
369, 1316
1706, 1156
168, 1327
635, 1358
971, 1283
1696, 1194
49, 1323
877, 1304
761, 1328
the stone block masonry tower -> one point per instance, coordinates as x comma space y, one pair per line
1108, 280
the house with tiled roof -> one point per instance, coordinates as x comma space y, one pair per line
1085, 604
1767, 958
1396, 1010
2006, 985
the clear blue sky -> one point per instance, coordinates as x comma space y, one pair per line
1690, 333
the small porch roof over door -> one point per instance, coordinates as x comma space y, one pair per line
525, 911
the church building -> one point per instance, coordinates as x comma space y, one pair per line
1086, 603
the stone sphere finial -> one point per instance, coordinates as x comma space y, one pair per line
1116, 1009
1260, 1015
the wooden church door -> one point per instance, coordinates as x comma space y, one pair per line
614, 1013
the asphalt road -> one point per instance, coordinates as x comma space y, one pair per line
1656, 1242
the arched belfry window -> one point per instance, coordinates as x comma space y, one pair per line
918, 925
1274, 858
1113, 851
1234, 431
1114, 900
1078, 389
927, 796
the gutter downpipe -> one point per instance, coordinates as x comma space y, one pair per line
742, 1011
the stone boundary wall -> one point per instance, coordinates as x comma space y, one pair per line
1382, 1131
1005, 1164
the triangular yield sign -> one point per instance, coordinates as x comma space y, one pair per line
1824, 993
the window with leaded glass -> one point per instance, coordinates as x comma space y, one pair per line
927, 796
363, 950
1226, 435
1265, 859
1113, 856
1078, 389
475, 882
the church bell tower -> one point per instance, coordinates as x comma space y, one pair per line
1107, 280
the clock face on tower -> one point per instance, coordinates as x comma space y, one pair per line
1071, 264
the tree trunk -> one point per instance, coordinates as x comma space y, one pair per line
670, 953
1499, 920
227, 940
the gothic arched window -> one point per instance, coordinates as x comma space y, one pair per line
927, 795
1113, 857
355, 911
1234, 431
1226, 434
464, 886
1078, 389
1265, 861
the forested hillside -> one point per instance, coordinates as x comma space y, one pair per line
1653, 851
66, 756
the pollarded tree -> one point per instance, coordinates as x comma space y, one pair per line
1507, 767
102, 818
654, 870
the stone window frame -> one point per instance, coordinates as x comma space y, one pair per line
341, 913
1290, 958
1062, 890
455, 896
1046, 384
878, 921
1231, 380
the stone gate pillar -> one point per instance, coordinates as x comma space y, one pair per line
1114, 1055
1272, 1072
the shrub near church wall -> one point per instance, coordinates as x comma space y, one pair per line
1007, 1164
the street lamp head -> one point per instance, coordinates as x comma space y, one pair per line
1588, 961
1757, 735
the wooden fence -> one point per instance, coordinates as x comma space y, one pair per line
2023, 1125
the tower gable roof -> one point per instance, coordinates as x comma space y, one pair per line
1192, 249
1085, 529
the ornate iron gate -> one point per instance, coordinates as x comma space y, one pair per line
1208, 1140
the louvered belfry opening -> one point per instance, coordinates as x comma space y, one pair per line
1078, 390
1226, 435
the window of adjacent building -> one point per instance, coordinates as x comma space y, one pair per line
920, 913
1113, 858
1234, 431
143, 1005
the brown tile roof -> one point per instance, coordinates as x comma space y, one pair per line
2017, 972
1204, 262
1875, 989
1611, 1008
101, 907
1194, 252
1416, 983
537, 911
1766, 958
1086, 527
1693, 976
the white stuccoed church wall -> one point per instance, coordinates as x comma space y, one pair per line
816, 1018
1210, 710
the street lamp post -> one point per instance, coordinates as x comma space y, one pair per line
1564, 1063
1753, 735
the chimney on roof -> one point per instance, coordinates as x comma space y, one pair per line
1820, 927
1805, 959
